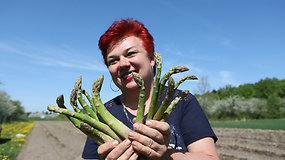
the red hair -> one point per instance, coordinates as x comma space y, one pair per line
122, 29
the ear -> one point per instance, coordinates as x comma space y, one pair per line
152, 60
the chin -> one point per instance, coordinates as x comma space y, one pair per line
131, 86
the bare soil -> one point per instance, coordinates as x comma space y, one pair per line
53, 140
60, 140
250, 144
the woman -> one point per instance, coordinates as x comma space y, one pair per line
128, 47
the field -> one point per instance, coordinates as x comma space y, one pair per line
13, 137
265, 139
250, 144
273, 124
59, 140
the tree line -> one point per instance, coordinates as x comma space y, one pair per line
264, 99
10, 109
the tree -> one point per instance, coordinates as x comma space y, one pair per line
266, 87
247, 91
226, 92
207, 101
10, 109
203, 85
274, 106
6, 107
18, 113
282, 88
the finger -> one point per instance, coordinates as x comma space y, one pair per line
134, 120
119, 150
134, 156
146, 151
149, 132
162, 127
146, 141
107, 147
127, 154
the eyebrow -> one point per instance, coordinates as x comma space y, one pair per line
129, 48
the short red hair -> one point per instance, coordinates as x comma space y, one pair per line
122, 29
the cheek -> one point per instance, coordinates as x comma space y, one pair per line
135, 60
112, 70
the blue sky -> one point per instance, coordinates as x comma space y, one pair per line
45, 45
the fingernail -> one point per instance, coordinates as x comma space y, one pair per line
136, 155
131, 134
136, 126
128, 142
115, 142
131, 149
148, 123
134, 144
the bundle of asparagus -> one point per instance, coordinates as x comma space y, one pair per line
99, 124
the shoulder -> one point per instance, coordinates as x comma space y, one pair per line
113, 102
188, 101
114, 106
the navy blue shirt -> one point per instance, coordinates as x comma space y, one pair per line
187, 121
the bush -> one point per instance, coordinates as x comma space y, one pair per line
274, 106
10, 110
234, 107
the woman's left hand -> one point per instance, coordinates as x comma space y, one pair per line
151, 139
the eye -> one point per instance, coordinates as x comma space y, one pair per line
112, 61
131, 53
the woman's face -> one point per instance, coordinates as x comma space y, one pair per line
127, 56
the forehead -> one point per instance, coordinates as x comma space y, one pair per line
126, 44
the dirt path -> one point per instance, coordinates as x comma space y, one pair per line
60, 140
53, 140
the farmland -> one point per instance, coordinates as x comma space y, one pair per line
250, 144
60, 140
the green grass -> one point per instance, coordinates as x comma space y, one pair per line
273, 124
10, 145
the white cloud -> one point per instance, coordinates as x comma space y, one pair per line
8, 48
63, 56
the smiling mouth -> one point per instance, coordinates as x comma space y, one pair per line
128, 76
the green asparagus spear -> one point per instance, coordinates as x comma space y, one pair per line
73, 95
187, 77
78, 83
96, 87
73, 100
91, 121
173, 105
166, 100
99, 136
141, 105
174, 70
152, 108
85, 106
91, 103
120, 128
94, 134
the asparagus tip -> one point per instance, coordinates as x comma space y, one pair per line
78, 82
182, 68
51, 107
60, 101
138, 78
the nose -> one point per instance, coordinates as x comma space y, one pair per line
124, 62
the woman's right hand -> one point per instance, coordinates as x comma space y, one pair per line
116, 150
